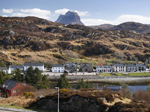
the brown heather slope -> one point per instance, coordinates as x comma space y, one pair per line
31, 39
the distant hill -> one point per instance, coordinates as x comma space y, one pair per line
70, 17
32, 39
132, 26
103, 26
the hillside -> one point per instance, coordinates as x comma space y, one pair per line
133, 26
31, 39
103, 26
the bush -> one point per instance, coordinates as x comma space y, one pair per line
82, 57
28, 94
64, 90
58, 56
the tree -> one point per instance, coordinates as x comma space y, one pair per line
18, 77
30, 79
36, 79
63, 82
45, 82
1, 78
83, 84
37, 75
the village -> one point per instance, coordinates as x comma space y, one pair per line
78, 69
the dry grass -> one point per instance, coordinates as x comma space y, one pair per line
19, 101
43, 92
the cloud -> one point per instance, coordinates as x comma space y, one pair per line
135, 18
119, 20
82, 13
5, 16
7, 10
61, 11
32, 12
64, 10
90, 22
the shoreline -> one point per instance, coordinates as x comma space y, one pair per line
138, 80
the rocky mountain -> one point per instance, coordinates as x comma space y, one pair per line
32, 39
70, 17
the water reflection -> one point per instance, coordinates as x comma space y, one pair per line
131, 88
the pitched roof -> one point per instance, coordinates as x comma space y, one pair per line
131, 65
57, 65
33, 64
16, 66
3, 68
86, 64
70, 64
120, 65
104, 66
139, 65
9, 84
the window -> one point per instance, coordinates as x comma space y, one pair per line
14, 91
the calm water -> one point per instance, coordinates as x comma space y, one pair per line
131, 88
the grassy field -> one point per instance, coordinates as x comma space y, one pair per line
130, 74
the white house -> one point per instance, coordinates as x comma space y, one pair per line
119, 67
40, 66
103, 68
5, 69
58, 68
14, 67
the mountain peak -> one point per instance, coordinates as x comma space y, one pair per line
71, 17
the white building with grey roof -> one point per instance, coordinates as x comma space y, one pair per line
5, 69
103, 68
40, 66
119, 68
14, 67
58, 68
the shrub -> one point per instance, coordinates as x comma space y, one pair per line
82, 57
141, 95
64, 90
28, 94
58, 56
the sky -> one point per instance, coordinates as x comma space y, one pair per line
91, 12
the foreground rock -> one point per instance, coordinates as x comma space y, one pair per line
90, 100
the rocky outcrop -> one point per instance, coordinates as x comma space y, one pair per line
89, 100
70, 17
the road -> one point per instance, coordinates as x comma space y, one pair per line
5, 109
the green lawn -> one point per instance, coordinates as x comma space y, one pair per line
130, 74
139, 74
108, 74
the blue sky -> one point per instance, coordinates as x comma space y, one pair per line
92, 12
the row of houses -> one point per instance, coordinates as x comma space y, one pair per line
121, 68
73, 67
24, 67
86, 67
